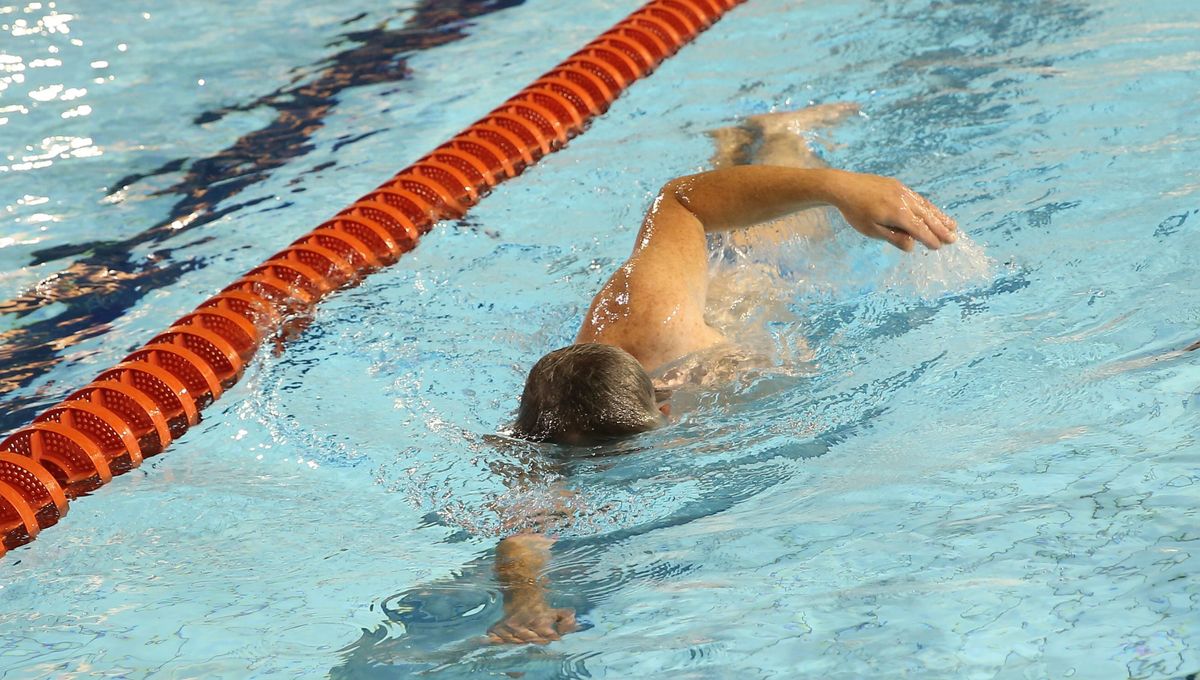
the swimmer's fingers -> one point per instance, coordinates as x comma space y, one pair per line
543, 628
921, 231
551, 628
945, 219
896, 231
515, 635
895, 237
921, 224
907, 227
505, 632
948, 224
501, 637
939, 224
533, 635
916, 221
545, 633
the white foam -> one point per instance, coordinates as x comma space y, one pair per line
827, 258
933, 273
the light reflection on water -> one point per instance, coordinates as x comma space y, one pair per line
30, 80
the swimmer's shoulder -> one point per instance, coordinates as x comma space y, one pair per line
654, 342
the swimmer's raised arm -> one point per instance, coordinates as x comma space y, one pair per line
653, 305
879, 207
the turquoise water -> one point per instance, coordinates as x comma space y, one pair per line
983, 466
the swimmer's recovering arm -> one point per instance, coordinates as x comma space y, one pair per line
653, 306
879, 207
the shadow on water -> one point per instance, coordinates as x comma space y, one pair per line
105, 280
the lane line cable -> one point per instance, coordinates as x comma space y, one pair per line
136, 408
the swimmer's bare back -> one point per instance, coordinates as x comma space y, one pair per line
653, 305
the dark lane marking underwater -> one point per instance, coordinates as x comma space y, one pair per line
104, 281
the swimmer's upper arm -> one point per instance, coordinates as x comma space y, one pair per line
669, 263
655, 301
665, 279
653, 305
670, 256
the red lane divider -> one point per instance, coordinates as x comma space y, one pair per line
155, 394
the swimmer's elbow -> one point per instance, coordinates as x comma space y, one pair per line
668, 192
678, 189
675, 196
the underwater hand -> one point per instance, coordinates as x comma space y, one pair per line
535, 623
886, 209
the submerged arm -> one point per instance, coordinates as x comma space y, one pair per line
528, 617
521, 558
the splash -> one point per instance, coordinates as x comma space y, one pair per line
762, 280
930, 274
815, 254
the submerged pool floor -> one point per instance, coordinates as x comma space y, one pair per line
979, 463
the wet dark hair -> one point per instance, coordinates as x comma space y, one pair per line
586, 392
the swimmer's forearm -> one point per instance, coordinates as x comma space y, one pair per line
520, 565
878, 207
521, 568
745, 195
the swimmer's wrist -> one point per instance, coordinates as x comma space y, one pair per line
830, 187
524, 596
520, 565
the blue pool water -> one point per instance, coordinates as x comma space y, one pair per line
971, 464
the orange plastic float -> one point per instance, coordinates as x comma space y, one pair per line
137, 407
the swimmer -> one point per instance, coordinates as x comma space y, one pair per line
650, 313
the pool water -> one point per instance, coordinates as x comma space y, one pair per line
974, 463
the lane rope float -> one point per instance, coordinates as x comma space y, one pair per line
136, 408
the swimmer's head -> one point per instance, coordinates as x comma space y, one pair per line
585, 393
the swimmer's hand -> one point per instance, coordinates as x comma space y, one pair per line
532, 622
520, 567
883, 208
